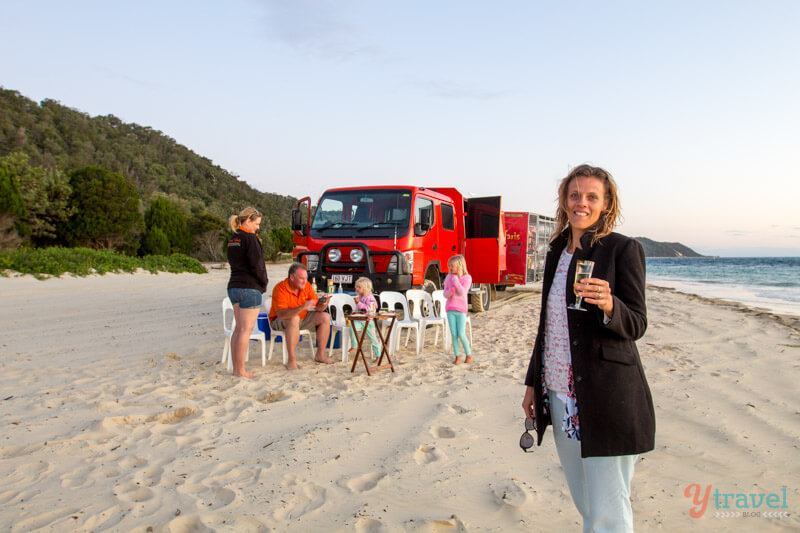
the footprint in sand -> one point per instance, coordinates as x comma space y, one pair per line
307, 498
428, 453
76, 478
274, 396
184, 524
149, 477
442, 432
453, 525
370, 525
132, 461
509, 493
457, 409
366, 482
130, 491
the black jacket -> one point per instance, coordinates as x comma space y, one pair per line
615, 407
246, 258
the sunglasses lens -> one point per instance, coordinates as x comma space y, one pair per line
529, 424
526, 441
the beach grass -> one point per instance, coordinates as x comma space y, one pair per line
55, 261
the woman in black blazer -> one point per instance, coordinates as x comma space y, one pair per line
585, 375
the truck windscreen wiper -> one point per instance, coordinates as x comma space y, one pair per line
335, 225
378, 224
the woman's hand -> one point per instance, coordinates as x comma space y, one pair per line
596, 292
529, 403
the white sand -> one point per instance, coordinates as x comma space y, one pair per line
120, 417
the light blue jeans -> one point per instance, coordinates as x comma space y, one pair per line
458, 330
600, 486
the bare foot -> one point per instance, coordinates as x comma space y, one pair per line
244, 374
468, 359
293, 366
457, 361
324, 359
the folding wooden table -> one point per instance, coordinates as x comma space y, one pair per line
366, 319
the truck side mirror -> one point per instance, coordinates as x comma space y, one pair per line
297, 221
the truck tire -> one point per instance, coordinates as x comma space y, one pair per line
482, 300
433, 281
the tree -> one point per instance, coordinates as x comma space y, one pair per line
156, 242
12, 210
44, 194
208, 236
172, 221
282, 237
106, 211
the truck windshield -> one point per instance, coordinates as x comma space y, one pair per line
362, 214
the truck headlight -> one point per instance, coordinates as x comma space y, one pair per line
392, 268
334, 254
356, 255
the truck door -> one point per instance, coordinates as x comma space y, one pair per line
485, 242
448, 235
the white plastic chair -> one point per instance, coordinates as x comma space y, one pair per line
282, 335
255, 335
422, 310
338, 301
440, 303
391, 299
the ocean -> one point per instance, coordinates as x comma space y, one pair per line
767, 282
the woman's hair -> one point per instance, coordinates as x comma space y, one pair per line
609, 217
248, 213
460, 262
364, 282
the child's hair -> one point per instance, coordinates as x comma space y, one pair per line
366, 283
459, 262
248, 213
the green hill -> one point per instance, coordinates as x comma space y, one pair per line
58, 137
665, 249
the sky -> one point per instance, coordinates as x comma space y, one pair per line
692, 106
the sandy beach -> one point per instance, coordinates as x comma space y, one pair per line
118, 416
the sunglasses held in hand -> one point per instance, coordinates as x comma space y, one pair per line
526, 440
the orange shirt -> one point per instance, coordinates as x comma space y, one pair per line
285, 297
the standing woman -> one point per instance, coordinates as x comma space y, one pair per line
247, 284
585, 376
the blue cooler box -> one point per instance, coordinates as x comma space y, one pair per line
263, 324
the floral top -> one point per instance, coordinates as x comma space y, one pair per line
557, 375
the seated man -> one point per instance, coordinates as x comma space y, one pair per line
294, 307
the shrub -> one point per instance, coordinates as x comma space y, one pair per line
55, 261
106, 210
156, 242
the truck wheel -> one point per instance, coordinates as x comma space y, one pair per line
481, 301
432, 281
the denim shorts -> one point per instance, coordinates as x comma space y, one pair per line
246, 298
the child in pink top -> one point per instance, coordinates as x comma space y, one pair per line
456, 290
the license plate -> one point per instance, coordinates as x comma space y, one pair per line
342, 278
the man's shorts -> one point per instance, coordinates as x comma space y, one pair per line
306, 323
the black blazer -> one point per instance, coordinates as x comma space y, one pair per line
614, 402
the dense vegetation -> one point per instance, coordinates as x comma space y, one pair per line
68, 179
54, 261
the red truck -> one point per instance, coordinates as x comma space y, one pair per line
401, 236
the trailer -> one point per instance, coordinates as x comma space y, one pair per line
527, 241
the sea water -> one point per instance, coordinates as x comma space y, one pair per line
767, 282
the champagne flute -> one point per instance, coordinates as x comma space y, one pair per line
583, 270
